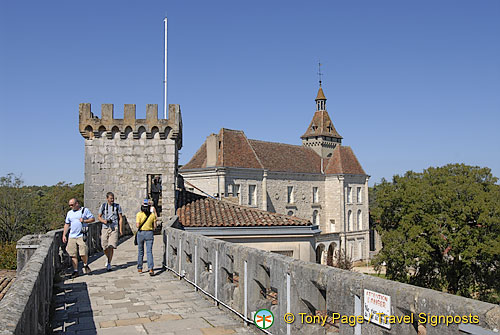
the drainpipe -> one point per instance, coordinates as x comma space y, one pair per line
264, 190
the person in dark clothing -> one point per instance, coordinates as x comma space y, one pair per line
155, 193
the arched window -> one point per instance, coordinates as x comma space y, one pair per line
360, 220
315, 218
349, 221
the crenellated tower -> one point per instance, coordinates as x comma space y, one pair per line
321, 135
123, 156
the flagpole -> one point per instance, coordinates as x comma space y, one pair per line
165, 106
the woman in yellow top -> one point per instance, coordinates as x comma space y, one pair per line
146, 224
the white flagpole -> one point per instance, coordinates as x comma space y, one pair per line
165, 106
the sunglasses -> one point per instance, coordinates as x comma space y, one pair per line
71, 205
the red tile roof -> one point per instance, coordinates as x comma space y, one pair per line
321, 125
208, 212
6, 279
238, 151
286, 157
198, 160
343, 161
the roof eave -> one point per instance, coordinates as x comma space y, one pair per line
256, 230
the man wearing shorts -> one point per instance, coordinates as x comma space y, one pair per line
110, 215
76, 219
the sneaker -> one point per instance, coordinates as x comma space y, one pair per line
86, 269
151, 273
108, 267
75, 274
139, 270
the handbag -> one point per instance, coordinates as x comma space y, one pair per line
142, 224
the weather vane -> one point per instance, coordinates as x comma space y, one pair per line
319, 73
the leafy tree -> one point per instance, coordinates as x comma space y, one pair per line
15, 208
441, 229
30, 209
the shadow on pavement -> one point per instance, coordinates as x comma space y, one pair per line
71, 311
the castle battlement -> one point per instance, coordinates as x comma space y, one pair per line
107, 126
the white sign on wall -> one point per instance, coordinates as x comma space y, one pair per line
377, 308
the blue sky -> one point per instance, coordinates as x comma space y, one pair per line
409, 84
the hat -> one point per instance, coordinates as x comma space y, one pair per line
145, 202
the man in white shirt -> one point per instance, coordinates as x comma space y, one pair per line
76, 219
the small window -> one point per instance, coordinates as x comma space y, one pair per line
349, 195
360, 250
290, 199
315, 218
358, 195
315, 195
290, 213
236, 192
349, 221
360, 220
252, 201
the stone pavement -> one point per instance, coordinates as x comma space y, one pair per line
125, 302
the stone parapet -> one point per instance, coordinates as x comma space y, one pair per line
247, 280
91, 126
25, 308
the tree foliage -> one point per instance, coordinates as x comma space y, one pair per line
441, 229
31, 209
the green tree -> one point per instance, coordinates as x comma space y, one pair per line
441, 229
15, 209
30, 209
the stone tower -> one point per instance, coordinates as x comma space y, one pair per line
321, 135
124, 155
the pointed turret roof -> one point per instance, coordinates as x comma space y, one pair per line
321, 95
321, 124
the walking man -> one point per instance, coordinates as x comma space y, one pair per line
110, 215
76, 222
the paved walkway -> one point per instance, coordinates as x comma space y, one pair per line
125, 302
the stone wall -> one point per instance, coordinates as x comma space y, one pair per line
247, 279
25, 308
121, 153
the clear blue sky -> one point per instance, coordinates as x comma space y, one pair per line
410, 84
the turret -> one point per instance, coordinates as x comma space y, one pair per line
321, 135
107, 126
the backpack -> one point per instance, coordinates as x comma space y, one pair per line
85, 229
114, 209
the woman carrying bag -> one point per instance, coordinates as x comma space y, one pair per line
146, 224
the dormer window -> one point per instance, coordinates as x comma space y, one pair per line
314, 127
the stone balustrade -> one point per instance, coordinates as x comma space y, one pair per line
247, 280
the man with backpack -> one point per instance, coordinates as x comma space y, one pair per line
75, 222
110, 215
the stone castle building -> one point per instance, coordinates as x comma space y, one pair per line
124, 155
320, 180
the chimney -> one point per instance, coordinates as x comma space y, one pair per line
212, 144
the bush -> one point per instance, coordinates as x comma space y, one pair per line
8, 255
